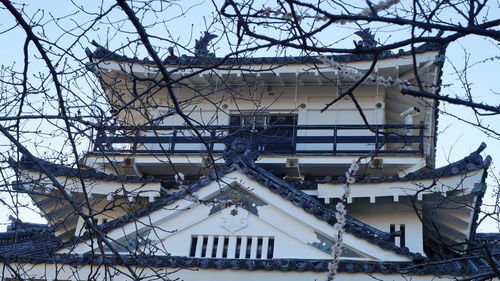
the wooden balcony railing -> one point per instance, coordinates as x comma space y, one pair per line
279, 139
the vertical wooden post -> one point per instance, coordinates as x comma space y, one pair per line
136, 140
231, 247
265, 245
294, 138
220, 247
243, 249
199, 246
174, 139
210, 246
335, 140
421, 146
253, 251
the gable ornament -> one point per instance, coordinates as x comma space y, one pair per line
234, 219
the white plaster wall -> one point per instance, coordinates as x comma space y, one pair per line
385, 212
216, 110
285, 100
285, 246
291, 235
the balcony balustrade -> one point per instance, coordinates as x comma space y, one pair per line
278, 139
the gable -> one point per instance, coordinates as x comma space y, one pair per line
272, 209
231, 232
227, 229
240, 230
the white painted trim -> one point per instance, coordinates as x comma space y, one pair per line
463, 183
295, 69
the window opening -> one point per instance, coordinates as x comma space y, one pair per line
270, 249
238, 247
259, 248
226, 245
194, 241
243, 247
398, 236
214, 248
270, 132
249, 248
204, 247
402, 238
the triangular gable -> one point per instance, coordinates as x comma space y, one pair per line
285, 209
246, 231
237, 224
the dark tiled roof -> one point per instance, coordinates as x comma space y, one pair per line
305, 184
38, 245
60, 170
471, 163
463, 266
494, 236
440, 61
27, 239
492, 240
101, 53
17, 225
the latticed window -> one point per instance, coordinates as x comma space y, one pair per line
239, 247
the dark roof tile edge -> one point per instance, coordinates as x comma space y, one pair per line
472, 162
488, 236
101, 53
20, 231
468, 266
61, 170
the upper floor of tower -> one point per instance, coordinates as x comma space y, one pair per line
306, 116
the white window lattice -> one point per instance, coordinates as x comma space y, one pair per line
239, 247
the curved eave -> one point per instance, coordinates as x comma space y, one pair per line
472, 162
102, 54
465, 182
58, 170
